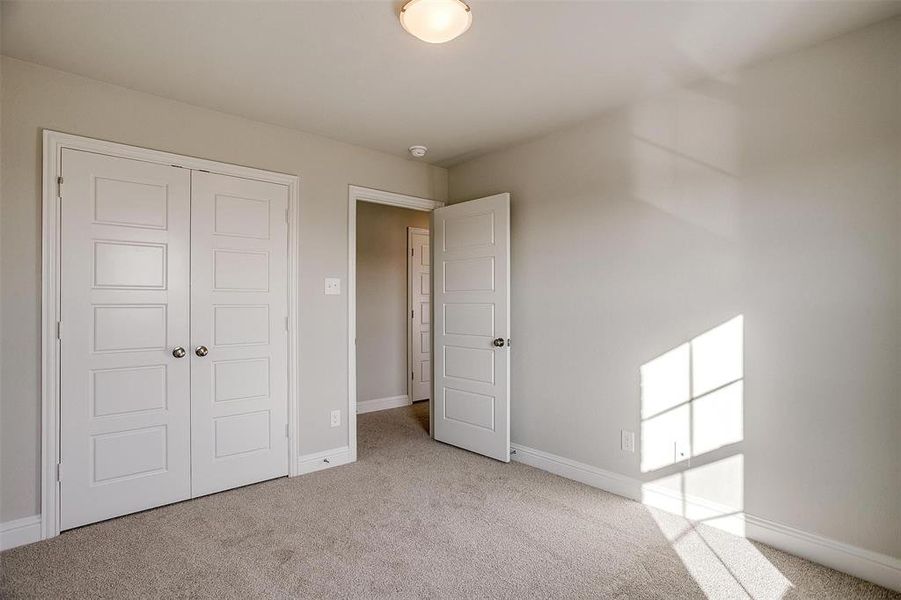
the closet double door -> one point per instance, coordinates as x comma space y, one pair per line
173, 334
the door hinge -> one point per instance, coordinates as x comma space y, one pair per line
59, 471
411, 314
59, 187
412, 252
59, 330
412, 377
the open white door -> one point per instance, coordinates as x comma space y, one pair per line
472, 325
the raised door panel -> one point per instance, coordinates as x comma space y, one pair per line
131, 203
130, 327
146, 385
129, 265
240, 271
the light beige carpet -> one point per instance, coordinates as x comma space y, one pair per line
412, 519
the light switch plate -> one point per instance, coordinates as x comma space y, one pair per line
332, 286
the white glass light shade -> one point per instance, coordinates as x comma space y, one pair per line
435, 21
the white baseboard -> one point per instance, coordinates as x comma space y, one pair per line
366, 406
587, 474
325, 459
866, 564
872, 566
20, 532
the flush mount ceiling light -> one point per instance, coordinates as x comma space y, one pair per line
435, 21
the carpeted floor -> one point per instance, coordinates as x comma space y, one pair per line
412, 519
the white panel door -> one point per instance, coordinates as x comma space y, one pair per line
419, 293
124, 399
471, 311
239, 312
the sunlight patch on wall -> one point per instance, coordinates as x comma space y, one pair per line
692, 426
692, 398
713, 493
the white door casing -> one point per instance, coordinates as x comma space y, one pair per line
471, 314
125, 400
360, 194
239, 314
419, 343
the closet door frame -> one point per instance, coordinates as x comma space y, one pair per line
54, 143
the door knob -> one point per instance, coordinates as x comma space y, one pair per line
499, 342
178, 352
201, 351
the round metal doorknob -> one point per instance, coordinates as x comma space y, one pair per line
499, 342
201, 351
179, 352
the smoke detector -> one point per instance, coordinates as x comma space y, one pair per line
418, 151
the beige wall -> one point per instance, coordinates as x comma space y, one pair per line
773, 193
34, 97
382, 298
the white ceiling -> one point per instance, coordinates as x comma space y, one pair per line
347, 70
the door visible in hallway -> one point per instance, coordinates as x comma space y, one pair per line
419, 283
471, 301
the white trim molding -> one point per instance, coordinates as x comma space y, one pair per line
375, 404
54, 144
714, 514
356, 194
20, 532
326, 459
871, 566
581, 472
364, 194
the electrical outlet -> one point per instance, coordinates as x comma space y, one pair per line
627, 443
336, 418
